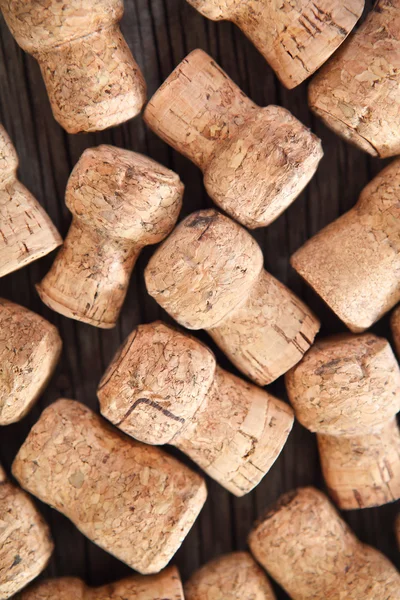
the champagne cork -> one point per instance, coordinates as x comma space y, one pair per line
26, 232
134, 501
30, 348
295, 38
234, 576
353, 262
166, 586
209, 275
347, 389
357, 92
121, 201
164, 387
255, 161
92, 79
312, 553
25, 542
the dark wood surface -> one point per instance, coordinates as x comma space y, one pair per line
160, 34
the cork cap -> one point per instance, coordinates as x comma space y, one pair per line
345, 384
204, 269
216, 9
8, 157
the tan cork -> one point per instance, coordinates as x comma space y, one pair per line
313, 554
295, 38
134, 501
255, 161
121, 201
166, 586
357, 92
92, 79
209, 275
26, 232
164, 387
347, 389
30, 348
233, 576
353, 262
25, 541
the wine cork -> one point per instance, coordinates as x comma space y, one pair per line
121, 201
26, 232
209, 275
357, 92
312, 553
30, 348
92, 79
134, 501
255, 161
347, 389
353, 262
164, 387
295, 38
166, 586
25, 541
233, 576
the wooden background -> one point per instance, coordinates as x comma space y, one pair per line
160, 34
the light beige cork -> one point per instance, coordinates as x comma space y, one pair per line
295, 38
347, 389
209, 275
255, 161
311, 552
134, 501
121, 201
164, 586
233, 576
30, 348
92, 79
25, 541
357, 92
164, 387
353, 262
26, 232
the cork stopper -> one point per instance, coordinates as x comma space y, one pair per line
134, 501
233, 576
347, 389
121, 201
311, 552
356, 93
295, 38
255, 161
164, 387
92, 79
26, 545
26, 232
352, 263
209, 275
166, 585
30, 348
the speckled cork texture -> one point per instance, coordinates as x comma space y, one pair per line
164, 387
26, 232
255, 161
25, 542
121, 201
312, 553
92, 80
353, 263
165, 586
357, 92
233, 576
295, 38
30, 348
209, 275
347, 389
134, 501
